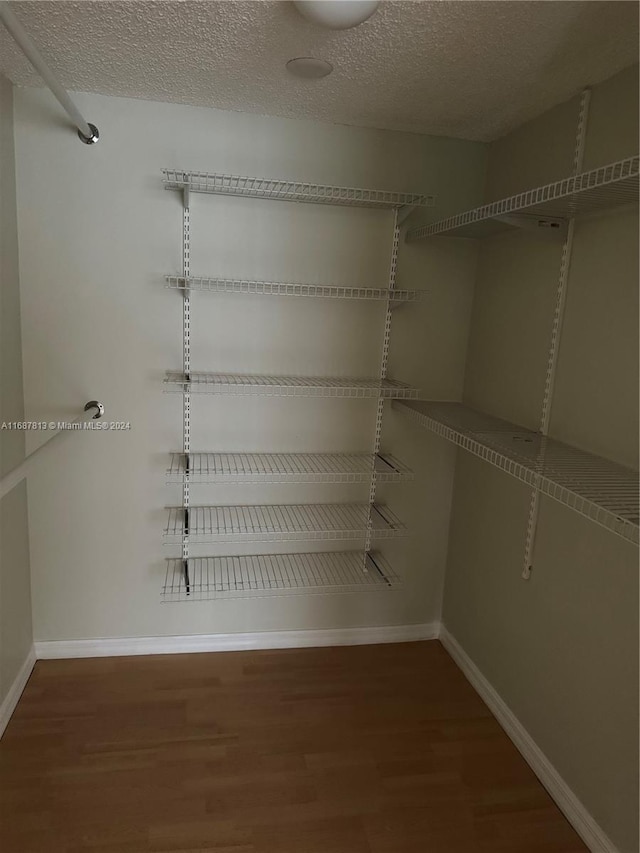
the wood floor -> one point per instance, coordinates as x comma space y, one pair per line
366, 749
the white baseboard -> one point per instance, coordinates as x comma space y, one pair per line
593, 836
15, 691
234, 642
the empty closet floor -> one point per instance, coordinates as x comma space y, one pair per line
368, 749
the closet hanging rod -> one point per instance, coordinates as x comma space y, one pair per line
92, 411
87, 132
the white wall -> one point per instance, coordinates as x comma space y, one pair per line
11, 396
15, 594
562, 648
97, 234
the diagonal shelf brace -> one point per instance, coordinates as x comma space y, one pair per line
405, 212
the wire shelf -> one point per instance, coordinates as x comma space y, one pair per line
264, 575
287, 386
236, 185
279, 288
599, 189
281, 523
245, 468
600, 490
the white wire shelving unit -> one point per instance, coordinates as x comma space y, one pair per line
189, 578
600, 189
281, 190
258, 468
281, 288
280, 523
238, 384
264, 575
602, 491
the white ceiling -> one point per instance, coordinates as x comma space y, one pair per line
465, 69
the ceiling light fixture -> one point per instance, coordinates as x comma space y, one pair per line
309, 68
337, 14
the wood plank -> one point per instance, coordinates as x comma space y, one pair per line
362, 749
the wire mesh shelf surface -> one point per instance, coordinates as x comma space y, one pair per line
280, 523
600, 189
262, 575
236, 185
279, 288
287, 386
244, 468
602, 491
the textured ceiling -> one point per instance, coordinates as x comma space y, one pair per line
465, 69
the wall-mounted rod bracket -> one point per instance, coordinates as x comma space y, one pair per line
88, 133
94, 404
95, 135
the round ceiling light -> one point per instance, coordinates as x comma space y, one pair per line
309, 68
337, 14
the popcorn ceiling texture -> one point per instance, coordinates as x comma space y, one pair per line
473, 70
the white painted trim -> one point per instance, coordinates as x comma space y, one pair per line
15, 691
235, 642
593, 836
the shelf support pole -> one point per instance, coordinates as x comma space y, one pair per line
186, 396
554, 346
383, 375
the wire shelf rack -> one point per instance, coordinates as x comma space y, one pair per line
241, 468
286, 386
264, 575
600, 189
280, 523
280, 288
600, 490
236, 185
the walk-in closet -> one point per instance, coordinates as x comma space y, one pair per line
319, 518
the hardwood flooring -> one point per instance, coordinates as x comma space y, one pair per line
365, 749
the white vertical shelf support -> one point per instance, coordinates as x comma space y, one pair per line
556, 336
384, 363
186, 398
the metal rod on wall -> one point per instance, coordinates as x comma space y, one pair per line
93, 411
87, 132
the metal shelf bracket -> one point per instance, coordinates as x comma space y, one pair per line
547, 225
405, 212
187, 583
